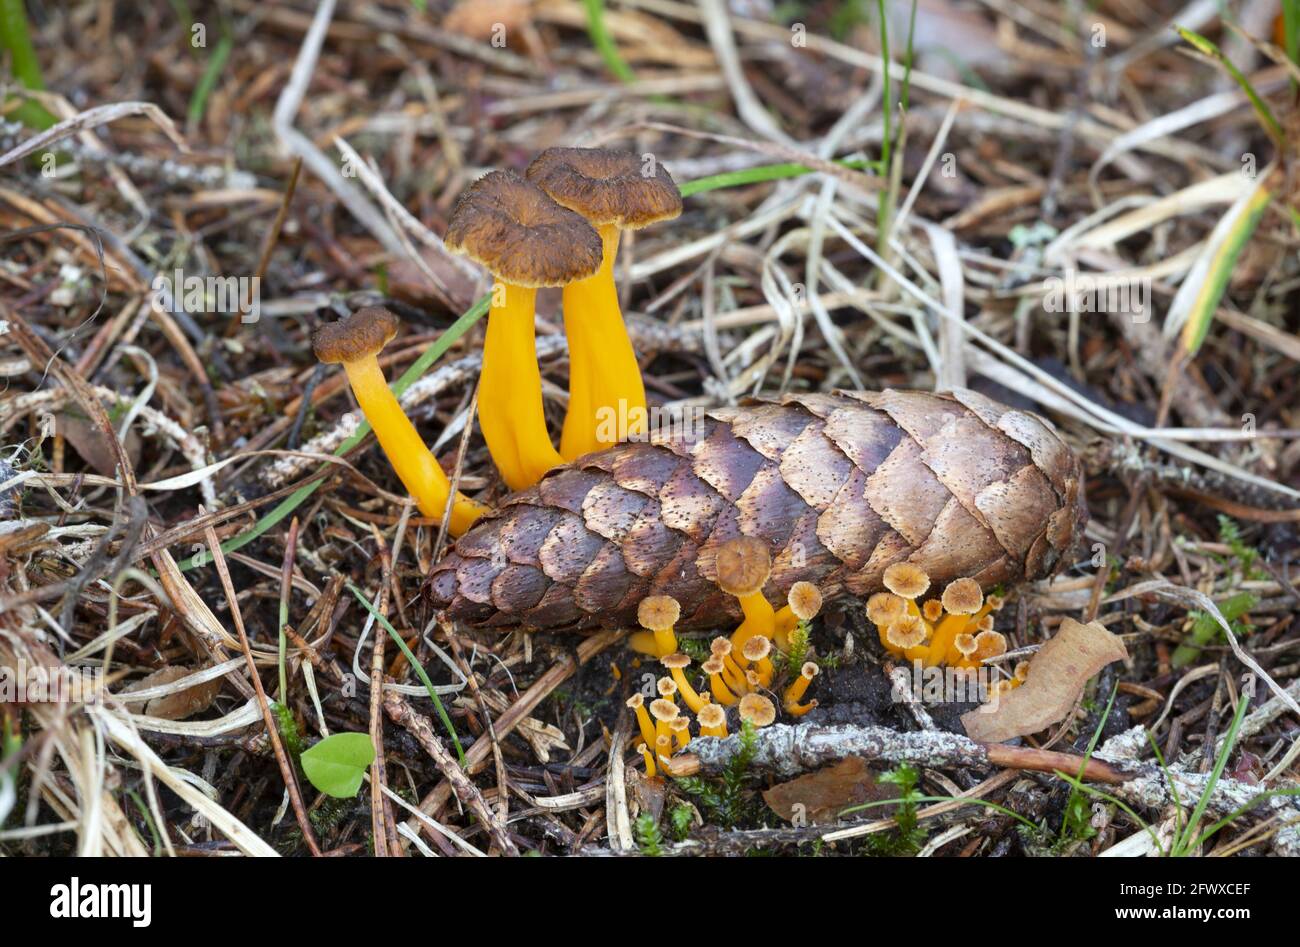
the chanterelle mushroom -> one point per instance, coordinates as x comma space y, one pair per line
615, 191
355, 343
526, 240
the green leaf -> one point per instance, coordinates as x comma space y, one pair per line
336, 764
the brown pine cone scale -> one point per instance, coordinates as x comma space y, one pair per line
839, 486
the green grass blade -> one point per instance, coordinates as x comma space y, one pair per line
17, 39
604, 42
416, 666
1216, 281
1265, 114
208, 81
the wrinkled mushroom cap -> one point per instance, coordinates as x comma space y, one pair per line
678, 723
711, 715
989, 644
965, 644
360, 335
664, 710
932, 610
963, 597
512, 228
667, 686
756, 648
635, 701
676, 660
658, 612
805, 600
757, 709
720, 647
906, 579
905, 632
809, 670
884, 607
713, 666
607, 187
743, 565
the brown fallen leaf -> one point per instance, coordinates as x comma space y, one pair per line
823, 795
182, 704
1057, 675
481, 19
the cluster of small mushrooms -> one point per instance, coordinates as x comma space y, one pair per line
955, 629
740, 667
558, 225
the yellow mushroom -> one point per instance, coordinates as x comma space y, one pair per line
664, 749
721, 692
637, 703
883, 609
614, 191
757, 652
681, 731
757, 710
932, 610
961, 599
712, 720
648, 757
355, 343
657, 614
663, 711
743, 566
803, 602
908, 581
526, 240
989, 644
667, 688
905, 637
731, 671
677, 664
794, 693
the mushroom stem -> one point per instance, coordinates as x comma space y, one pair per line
414, 464
604, 375
760, 619
510, 390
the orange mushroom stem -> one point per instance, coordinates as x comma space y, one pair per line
677, 663
355, 343
794, 693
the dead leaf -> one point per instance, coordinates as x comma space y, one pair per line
481, 19
181, 704
823, 795
1057, 675
92, 444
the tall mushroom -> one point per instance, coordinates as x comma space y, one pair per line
525, 240
743, 566
615, 191
355, 343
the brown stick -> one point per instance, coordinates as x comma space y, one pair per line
403, 715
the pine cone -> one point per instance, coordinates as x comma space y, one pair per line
839, 485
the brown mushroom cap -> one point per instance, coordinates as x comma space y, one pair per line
756, 648
905, 632
932, 610
805, 600
658, 612
711, 715
635, 701
965, 644
963, 597
720, 647
884, 607
676, 660
607, 187
667, 687
809, 670
664, 710
363, 333
757, 709
511, 227
713, 666
989, 644
906, 579
743, 565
